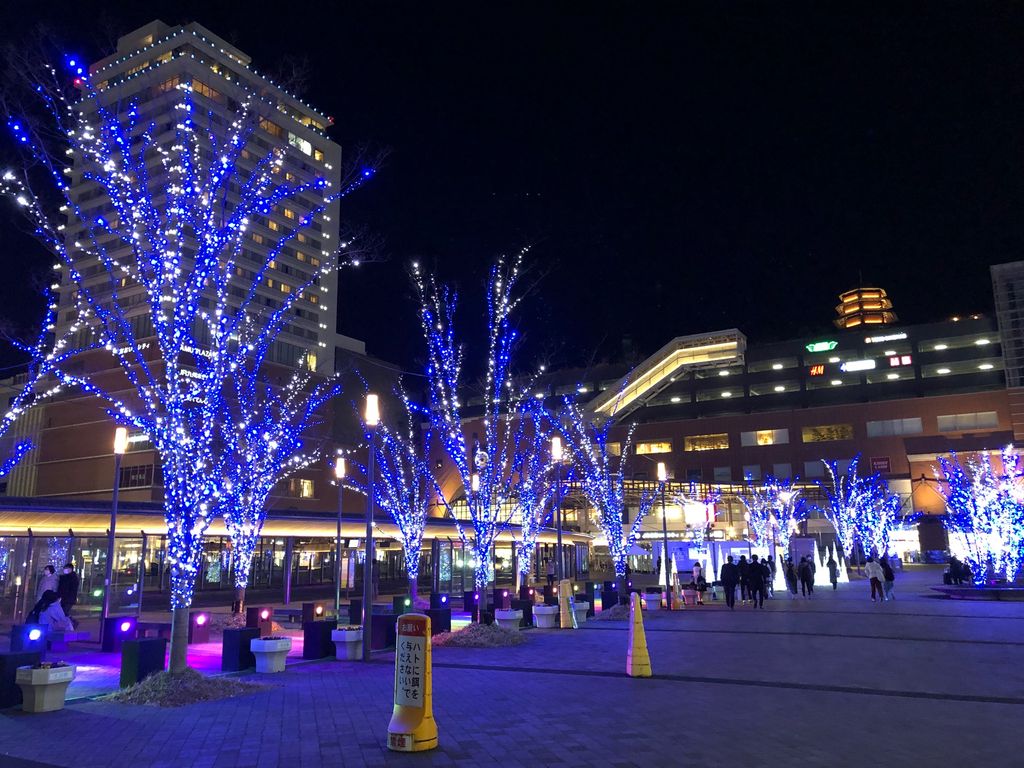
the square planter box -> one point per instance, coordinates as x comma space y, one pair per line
508, 619
582, 610
653, 600
270, 653
348, 644
546, 616
43, 690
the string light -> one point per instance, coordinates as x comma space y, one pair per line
774, 509
862, 510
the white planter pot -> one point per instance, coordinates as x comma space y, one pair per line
348, 644
270, 654
546, 616
580, 610
508, 619
653, 600
44, 690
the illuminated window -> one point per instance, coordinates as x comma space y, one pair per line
257, 238
958, 422
273, 225
289, 213
827, 433
300, 487
300, 144
284, 287
715, 442
658, 446
314, 299
169, 85
311, 361
206, 90
765, 437
318, 155
272, 128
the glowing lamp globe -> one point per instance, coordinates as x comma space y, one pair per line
35, 634
125, 626
264, 614
319, 610
201, 619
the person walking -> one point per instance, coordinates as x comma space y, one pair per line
755, 582
874, 572
812, 562
67, 589
888, 578
769, 585
833, 572
729, 576
804, 572
47, 582
551, 572
789, 572
744, 571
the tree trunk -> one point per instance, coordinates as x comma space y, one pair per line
412, 590
239, 605
179, 640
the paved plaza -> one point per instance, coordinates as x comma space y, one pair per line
836, 680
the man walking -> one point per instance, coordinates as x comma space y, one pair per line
833, 572
806, 577
888, 578
875, 573
730, 576
755, 582
744, 571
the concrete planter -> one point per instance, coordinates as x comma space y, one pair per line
44, 690
508, 619
270, 653
653, 601
348, 643
581, 608
546, 616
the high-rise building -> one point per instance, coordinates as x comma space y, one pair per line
1008, 292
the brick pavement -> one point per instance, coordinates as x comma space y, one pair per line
831, 681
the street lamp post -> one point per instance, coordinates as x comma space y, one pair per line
339, 475
556, 456
120, 445
371, 418
480, 592
662, 478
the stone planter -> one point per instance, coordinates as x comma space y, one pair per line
546, 616
581, 608
348, 643
508, 619
43, 690
653, 600
270, 653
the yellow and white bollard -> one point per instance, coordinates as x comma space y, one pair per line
638, 660
412, 727
566, 605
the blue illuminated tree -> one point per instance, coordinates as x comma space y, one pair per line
485, 462
774, 510
985, 513
405, 481
154, 256
862, 509
601, 477
535, 483
267, 432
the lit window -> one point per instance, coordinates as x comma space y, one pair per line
300, 488
289, 213
714, 442
827, 433
958, 422
765, 437
318, 155
272, 128
658, 446
257, 238
300, 144
273, 225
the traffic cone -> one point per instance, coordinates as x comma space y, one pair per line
638, 661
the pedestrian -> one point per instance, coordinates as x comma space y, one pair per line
789, 572
744, 571
755, 582
48, 612
47, 582
814, 570
770, 581
874, 572
551, 572
956, 574
67, 589
729, 576
803, 572
833, 572
697, 572
888, 578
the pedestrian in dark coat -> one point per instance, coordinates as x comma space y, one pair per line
730, 576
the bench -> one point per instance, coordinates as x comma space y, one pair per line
157, 628
982, 593
58, 641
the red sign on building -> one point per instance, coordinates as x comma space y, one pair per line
881, 464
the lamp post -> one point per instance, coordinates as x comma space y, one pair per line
339, 475
556, 456
371, 417
662, 478
120, 445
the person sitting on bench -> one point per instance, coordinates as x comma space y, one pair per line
49, 613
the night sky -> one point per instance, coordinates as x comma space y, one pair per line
678, 168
